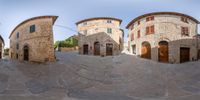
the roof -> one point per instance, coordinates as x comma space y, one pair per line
161, 13
2, 39
96, 18
34, 18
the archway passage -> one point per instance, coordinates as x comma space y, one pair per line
184, 54
85, 49
163, 51
146, 50
26, 53
109, 49
96, 48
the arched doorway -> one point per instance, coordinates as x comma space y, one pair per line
109, 49
163, 51
96, 48
26, 53
85, 49
146, 50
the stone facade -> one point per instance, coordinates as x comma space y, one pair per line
100, 36
1, 47
168, 35
32, 40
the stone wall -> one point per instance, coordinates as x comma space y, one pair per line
68, 49
40, 42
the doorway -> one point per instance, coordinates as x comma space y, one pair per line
109, 49
26, 53
85, 49
163, 51
184, 54
146, 50
96, 48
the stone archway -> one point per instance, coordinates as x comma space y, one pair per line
97, 48
163, 51
26, 53
146, 50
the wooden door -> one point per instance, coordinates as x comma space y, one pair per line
146, 50
26, 53
96, 48
85, 49
163, 53
109, 49
184, 54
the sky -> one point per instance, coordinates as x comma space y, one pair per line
13, 12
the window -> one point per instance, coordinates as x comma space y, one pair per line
150, 30
32, 28
85, 32
184, 19
132, 36
132, 27
109, 21
138, 22
138, 34
150, 18
17, 46
184, 31
109, 30
17, 35
85, 23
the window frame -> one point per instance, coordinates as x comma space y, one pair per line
32, 28
185, 31
109, 30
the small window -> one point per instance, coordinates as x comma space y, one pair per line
138, 34
150, 30
109, 30
85, 23
138, 22
85, 32
32, 28
132, 27
17, 35
150, 18
184, 19
184, 31
132, 36
17, 46
109, 21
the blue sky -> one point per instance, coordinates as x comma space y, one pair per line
13, 12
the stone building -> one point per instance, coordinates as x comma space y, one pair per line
1, 47
32, 40
164, 37
100, 36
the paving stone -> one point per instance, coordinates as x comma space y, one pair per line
36, 87
3, 82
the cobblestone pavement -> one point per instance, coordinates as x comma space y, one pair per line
79, 77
